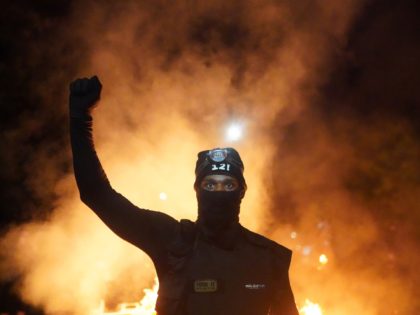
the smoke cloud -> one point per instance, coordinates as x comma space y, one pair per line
331, 164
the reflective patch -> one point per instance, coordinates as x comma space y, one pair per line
255, 286
218, 155
205, 286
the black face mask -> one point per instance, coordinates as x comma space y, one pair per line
218, 210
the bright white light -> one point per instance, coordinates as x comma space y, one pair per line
163, 196
310, 309
234, 132
323, 259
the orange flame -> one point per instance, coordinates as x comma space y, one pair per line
145, 307
310, 308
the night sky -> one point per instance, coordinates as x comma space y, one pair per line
352, 127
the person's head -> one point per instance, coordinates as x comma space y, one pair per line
220, 186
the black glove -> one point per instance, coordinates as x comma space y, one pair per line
84, 94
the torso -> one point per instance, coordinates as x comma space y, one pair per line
242, 276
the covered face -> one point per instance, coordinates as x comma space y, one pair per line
220, 187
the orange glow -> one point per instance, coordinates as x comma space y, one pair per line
168, 94
310, 308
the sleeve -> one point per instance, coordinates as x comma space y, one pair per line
283, 300
146, 229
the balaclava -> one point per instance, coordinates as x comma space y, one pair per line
218, 210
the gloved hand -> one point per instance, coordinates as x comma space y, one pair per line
84, 94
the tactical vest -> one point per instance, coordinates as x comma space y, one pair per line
204, 279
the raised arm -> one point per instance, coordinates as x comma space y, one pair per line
149, 230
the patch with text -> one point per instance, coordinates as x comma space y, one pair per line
255, 286
205, 286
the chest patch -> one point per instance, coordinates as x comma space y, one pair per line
205, 286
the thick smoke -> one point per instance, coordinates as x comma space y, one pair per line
328, 158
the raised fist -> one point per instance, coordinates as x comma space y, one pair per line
84, 93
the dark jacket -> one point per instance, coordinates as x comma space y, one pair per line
196, 275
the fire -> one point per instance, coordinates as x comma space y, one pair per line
149, 300
310, 308
145, 307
